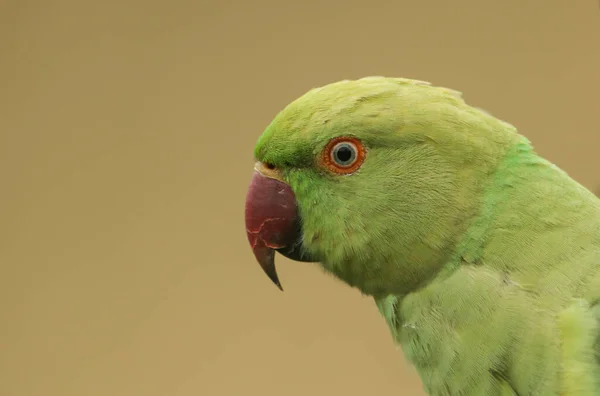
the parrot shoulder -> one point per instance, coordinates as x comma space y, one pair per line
578, 329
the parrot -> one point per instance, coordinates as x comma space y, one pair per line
481, 255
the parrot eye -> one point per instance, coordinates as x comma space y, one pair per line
344, 155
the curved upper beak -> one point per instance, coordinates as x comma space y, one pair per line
272, 221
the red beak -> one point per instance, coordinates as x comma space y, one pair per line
271, 220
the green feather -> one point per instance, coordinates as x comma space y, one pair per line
483, 257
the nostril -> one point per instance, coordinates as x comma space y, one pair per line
270, 166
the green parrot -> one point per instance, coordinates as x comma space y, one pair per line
482, 256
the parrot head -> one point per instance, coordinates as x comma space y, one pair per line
375, 179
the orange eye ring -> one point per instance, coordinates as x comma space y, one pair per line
343, 155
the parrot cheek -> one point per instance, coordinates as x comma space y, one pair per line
272, 222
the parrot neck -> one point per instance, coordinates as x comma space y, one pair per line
534, 220
529, 253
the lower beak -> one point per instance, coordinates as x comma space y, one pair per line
272, 223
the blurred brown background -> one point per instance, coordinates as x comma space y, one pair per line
126, 140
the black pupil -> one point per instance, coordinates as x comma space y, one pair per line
344, 154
